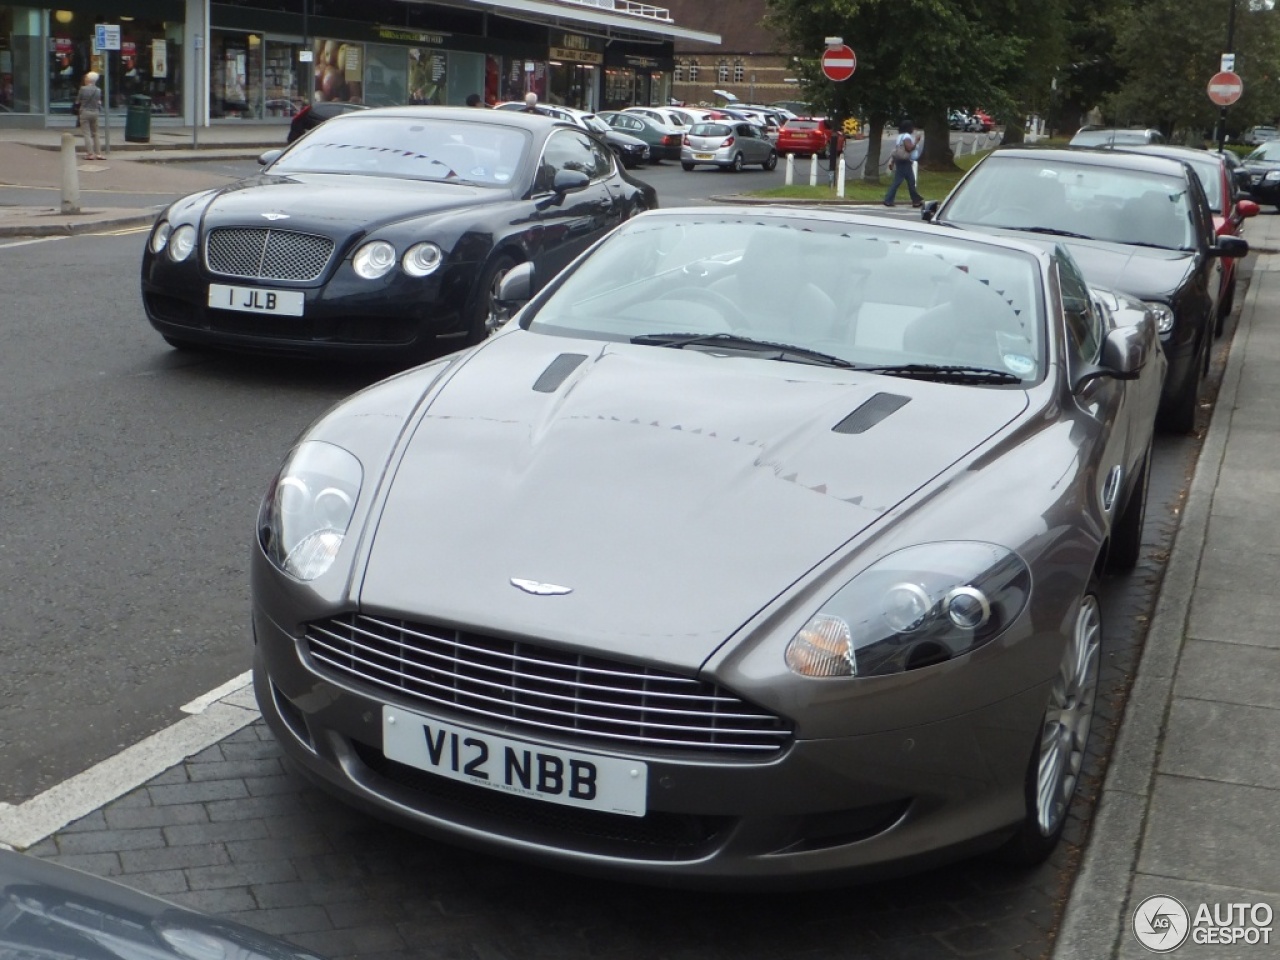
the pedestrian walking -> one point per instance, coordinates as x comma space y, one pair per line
905, 151
90, 101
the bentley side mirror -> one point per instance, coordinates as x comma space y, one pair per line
1124, 354
929, 210
567, 181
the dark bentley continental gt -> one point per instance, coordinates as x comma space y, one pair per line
761, 546
383, 233
1135, 222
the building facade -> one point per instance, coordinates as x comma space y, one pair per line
260, 61
745, 62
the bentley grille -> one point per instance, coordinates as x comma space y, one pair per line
259, 253
543, 690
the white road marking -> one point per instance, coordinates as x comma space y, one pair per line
217, 715
25, 243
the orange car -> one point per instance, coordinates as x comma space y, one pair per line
804, 136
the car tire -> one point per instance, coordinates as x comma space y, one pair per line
1126, 534
486, 316
1225, 306
737, 164
772, 162
1057, 758
686, 166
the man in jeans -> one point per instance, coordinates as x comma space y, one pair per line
905, 151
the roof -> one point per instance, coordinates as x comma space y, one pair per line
613, 19
1119, 157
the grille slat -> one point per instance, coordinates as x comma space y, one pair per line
256, 253
542, 689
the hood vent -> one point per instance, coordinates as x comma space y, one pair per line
558, 371
875, 409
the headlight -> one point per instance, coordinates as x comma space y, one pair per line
1164, 316
422, 259
1272, 175
160, 236
916, 607
306, 512
182, 241
373, 260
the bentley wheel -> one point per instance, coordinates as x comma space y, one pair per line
488, 314
1058, 757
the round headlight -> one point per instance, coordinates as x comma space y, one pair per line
373, 260
182, 241
968, 607
304, 518
906, 607
160, 236
1164, 316
422, 259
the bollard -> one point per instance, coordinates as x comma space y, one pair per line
840, 177
813, 169
70, 175
791, 169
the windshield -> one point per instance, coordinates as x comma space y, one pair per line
1076, 199
861, 295
479, 153
1269, 152
710, 130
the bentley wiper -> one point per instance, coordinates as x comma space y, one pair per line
1055, 232
943, 373
779, 351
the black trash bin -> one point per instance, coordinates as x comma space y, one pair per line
137, 122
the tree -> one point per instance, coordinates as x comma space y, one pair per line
915, 57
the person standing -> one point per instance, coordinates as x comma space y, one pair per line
531, 103
905, 150
90, 100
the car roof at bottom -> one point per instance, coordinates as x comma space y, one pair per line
1120, 158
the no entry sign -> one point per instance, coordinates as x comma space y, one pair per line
839, 62
1225, 88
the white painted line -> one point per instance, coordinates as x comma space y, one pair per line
27, 243
26, 824
199, 704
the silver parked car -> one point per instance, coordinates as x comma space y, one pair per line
761, 546
728, 144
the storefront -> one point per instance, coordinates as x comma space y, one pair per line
637, 80
575, 66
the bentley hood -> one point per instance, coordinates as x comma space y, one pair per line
335, 204
652, 499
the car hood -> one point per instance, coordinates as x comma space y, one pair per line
674, 493
340, 201
1146, 272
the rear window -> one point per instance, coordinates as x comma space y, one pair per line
800, 125
710, 130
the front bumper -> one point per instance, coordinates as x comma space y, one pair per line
819, 810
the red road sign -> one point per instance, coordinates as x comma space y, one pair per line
1225, 88
838, 63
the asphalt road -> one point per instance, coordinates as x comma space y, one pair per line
130, 478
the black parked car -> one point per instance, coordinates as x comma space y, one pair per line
385, 235
1133, 222
1262, 167
312, 115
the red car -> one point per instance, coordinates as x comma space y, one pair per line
804, 136
985, 119
1230, 210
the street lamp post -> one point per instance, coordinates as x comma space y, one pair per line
1231, 40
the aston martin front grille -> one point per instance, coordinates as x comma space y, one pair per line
256, 253
543, 690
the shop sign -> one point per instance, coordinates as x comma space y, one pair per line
411, 36
576, 56
634, 61
576, 47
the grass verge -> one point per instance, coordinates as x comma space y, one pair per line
932, 184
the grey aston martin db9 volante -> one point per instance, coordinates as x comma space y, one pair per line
759, 547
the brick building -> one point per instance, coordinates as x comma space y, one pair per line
745, 63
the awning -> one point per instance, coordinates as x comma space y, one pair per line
613, 19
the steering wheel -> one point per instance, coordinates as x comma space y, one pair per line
729, 311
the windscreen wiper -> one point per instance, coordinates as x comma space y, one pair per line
780, 351
1055, 232
945, 373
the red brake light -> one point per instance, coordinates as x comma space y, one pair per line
728, 142
685, 140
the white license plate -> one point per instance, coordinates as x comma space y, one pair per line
256, 300
527, 769
704, 156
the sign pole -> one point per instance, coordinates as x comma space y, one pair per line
106, 99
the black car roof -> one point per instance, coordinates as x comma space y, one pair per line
504, 118
1118, 157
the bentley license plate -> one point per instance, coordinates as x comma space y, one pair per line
256, 300
524, 768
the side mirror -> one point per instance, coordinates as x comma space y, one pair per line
516, 286
1247, 208
1231, 247
929, 210
567, 181
1124, 354
269, 157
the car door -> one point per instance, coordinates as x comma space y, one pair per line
572, 222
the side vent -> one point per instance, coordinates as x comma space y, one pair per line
874, 410
557, 371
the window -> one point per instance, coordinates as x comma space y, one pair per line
567, 150
679, 72
1083, 332
722, 72
739, 70
693, 71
